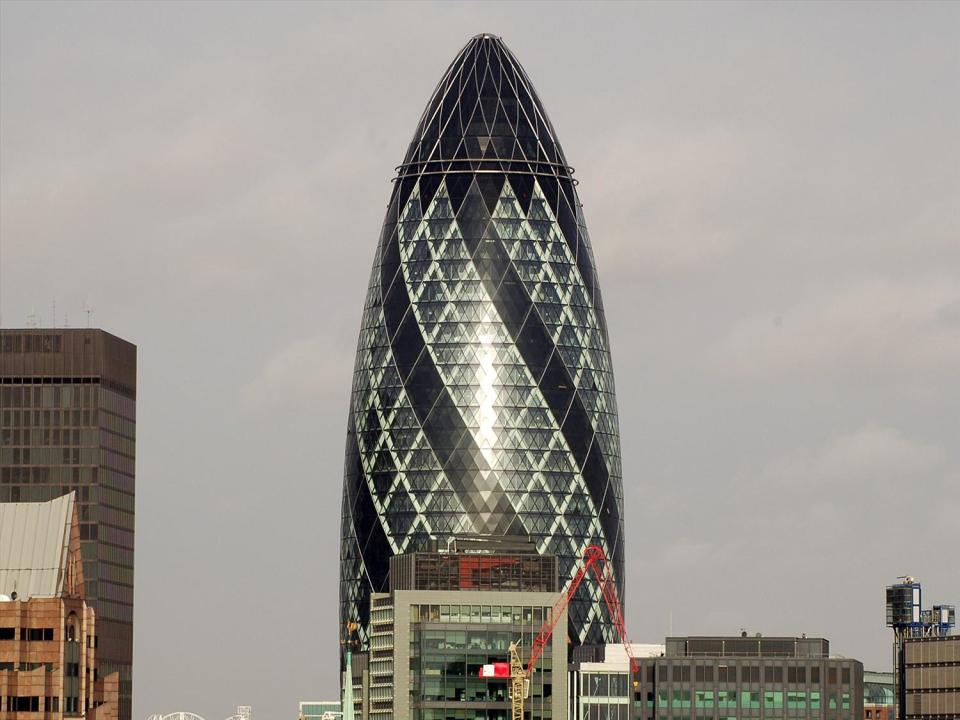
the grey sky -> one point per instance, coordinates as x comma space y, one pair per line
772, 192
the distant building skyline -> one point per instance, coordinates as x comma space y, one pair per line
68, 423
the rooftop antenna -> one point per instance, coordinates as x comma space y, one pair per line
54, 305
32, 318
88, 310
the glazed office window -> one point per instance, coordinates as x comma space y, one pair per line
663, 699
845, 700
814, 699
773, 699
704, 698
681, 698
796, 700
750, 699
727, 698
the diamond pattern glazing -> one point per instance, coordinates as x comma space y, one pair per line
483, 398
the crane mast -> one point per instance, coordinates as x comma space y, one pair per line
595, 562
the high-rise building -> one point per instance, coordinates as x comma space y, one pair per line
483, 397
67, 423
48, 648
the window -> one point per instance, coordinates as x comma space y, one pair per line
815, 675
750, 699
773, 699
796, 700
704, 698
7, 633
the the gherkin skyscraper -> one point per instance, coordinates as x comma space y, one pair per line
483, 399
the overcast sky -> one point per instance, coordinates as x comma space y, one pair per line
773, 194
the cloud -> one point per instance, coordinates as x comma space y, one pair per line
867, 326
681, 197
866, 458
301, 375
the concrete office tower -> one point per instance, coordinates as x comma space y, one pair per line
67, 423
483, 398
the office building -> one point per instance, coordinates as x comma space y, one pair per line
931, 677
67, 424
910, 622
722, 678
483, 397
48, 633
448, 612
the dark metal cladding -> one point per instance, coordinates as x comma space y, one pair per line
483, 398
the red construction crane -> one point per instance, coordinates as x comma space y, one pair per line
594, 561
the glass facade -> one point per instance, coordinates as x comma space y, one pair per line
483, 398
68, 423
448, 645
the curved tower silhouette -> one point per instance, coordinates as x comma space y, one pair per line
483, 399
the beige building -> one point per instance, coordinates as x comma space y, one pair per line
932, 677
48, 637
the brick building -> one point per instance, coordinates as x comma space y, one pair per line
48, 636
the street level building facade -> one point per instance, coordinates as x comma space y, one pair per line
483, 396
67, 424
448, 613
48, 648
721, 678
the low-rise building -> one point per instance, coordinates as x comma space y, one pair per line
48, 639
878, 696
720, 678
320, 710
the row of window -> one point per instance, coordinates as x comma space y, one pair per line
510, 614
778, 674
48, 418
31, 703
26, 666
598, 711
27, 634
772, 699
